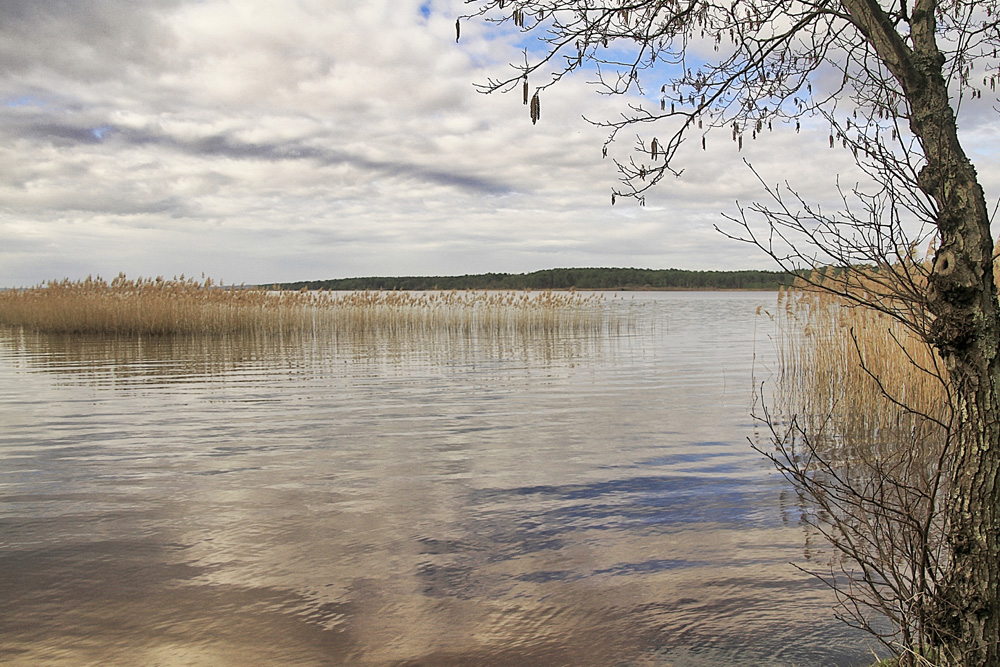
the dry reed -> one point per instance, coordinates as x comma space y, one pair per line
861, 424
149, 307
856, 376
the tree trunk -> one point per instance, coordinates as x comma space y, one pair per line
963, 299
968, 617
966, 331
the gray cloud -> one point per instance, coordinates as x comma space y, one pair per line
85, 39
61, 134
223, 146
64, 134
267, 140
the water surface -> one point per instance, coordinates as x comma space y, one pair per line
581, 500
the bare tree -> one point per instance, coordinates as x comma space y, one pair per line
862, 425
902, 74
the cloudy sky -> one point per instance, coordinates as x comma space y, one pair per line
279, 140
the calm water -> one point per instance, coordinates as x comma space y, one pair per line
588, 501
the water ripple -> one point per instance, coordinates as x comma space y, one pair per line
315, 501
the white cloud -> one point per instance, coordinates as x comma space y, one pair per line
267, 141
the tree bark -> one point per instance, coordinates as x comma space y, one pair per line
966, 331
962, 297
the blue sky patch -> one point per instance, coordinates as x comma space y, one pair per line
24, 101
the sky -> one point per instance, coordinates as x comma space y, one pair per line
258, 141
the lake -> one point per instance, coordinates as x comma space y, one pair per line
590, 499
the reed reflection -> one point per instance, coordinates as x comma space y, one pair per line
481, 497
124, 361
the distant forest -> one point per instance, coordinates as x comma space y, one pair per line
596, 279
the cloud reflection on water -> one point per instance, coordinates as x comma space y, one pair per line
586, 502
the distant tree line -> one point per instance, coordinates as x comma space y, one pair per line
589, 278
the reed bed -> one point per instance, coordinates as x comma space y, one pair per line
155, 307
854, 376
861, 424
856, 371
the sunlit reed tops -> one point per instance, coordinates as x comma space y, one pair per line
157, 306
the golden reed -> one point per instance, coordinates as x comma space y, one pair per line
855, 377
155, 306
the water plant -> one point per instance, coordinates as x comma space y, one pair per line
155, 306
855, 372
861, 421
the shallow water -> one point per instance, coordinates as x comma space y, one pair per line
591, 500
